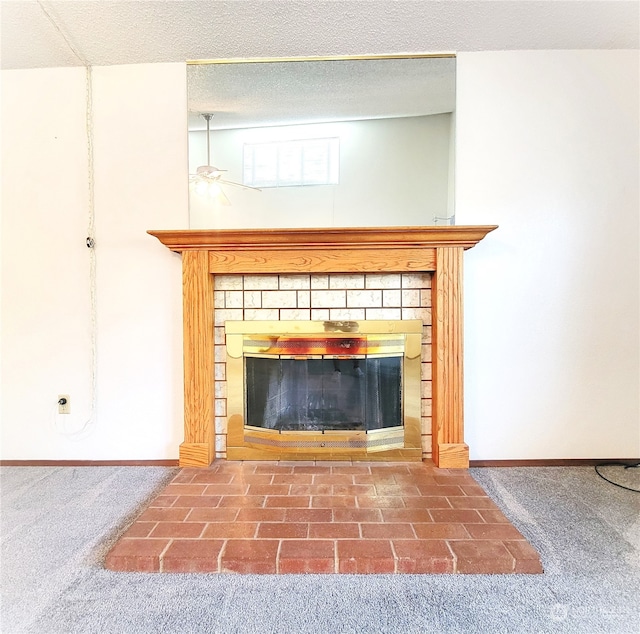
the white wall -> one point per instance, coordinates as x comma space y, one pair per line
392, 171
547, 148
45, 263
140, 174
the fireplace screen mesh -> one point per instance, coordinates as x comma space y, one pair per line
287, 394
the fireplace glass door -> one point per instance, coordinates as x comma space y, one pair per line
323, 394
323, 390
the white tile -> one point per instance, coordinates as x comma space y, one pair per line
288, 282
220, 407
426, 406
417, 313
426, 444
260, 282
427, 389
233, 299
253, 299
416, 280
218, 299
221, 424
426, 353
220, 371
320, 314
382, 280
261, 314
304, 299
227, 282
426, 426
364, 299
383, 313
224, 314
411, 298
425, 297
319, 281
295, 314
426, 334
347, 314
220, 389
221, 442
218, 335
220, 354
328, 299
391, 298
425, 371
279, 299
354, 280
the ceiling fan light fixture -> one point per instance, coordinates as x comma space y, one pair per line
214, 190
210, 171
208, 181
201, 188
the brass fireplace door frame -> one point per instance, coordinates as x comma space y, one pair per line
254, 443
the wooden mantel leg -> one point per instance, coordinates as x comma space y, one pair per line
197, 450
449, 449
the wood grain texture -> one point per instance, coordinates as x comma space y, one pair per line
287, 260
195, 454
197, 295
333, 237
453, 456
447, 352
339, 250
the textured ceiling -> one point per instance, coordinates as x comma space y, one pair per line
108, 32
260, 94
43, 33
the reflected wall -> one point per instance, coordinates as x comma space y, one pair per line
394, 119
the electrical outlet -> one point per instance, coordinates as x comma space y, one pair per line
64, 404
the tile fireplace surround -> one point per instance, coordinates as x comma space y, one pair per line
266, 512
324, 274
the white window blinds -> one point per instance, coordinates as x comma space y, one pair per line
292, 163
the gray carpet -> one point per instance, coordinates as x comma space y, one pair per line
58, 524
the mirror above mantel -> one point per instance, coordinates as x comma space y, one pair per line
365, 141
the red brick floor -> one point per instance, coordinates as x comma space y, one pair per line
266, 518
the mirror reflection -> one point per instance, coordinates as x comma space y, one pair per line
321, 143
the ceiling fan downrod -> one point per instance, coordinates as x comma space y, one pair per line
207, 117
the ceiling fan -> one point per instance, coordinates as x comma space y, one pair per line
207, 179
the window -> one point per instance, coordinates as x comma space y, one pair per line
292, 163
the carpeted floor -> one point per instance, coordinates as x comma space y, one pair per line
58, 524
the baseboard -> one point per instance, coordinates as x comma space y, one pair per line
553, 462
89, 463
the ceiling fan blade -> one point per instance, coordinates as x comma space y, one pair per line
222, 199
220, 180
208, 176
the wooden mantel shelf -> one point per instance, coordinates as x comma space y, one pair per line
438, 250
343, 237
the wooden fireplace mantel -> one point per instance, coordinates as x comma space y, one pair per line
439, 250
335, 237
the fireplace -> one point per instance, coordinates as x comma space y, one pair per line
323, 389
435, 252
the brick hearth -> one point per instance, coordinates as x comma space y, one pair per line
267, 518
